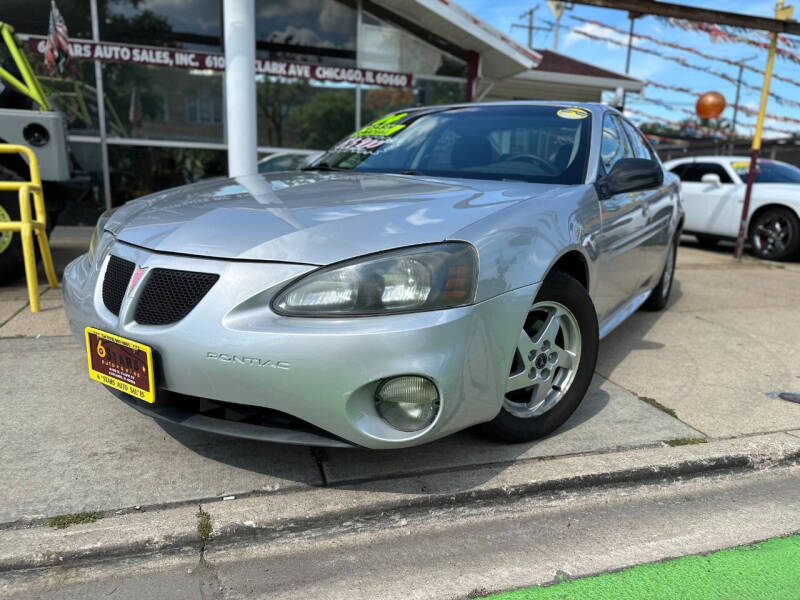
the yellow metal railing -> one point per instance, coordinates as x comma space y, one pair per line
28, 226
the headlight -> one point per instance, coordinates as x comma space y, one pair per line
98, 231
412, 279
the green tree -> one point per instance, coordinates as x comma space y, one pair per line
326, 119
276, 99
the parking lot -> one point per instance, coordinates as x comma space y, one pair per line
706, 368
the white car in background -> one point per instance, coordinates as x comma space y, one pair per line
712, 188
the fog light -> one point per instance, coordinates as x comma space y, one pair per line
407, 403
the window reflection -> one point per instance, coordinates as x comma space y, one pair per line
140, 170
377, 101
320, 27
33, 16
160, 22
387, 47
303, 114
161, 103
86, 199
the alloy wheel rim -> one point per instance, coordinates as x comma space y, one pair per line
545, 362
5, 236
772, 235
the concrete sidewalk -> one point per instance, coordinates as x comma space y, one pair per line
727, 339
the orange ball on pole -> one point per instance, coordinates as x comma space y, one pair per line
710, 105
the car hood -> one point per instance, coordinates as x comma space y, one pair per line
311, 217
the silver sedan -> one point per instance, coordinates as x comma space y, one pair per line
440, 268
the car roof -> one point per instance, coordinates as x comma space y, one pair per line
593, 107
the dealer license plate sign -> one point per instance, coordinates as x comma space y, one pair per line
120, 363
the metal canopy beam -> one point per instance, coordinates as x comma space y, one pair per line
679, 11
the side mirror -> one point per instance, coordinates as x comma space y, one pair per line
711, 178
630, 175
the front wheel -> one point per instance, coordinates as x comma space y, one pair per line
11, 265
553, 363
775, 234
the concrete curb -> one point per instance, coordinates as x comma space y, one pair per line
347, 507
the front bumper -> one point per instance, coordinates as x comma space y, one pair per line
232, 348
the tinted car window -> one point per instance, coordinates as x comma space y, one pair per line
679, 169
641, 149
542, 144
768, 171
615, 143
694, 172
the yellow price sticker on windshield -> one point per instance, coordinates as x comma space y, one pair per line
573, 113
382, 127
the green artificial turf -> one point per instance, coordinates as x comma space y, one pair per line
769, 570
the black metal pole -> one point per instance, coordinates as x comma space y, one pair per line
736, 102
632, 17
530, 28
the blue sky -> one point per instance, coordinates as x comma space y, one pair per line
502, 13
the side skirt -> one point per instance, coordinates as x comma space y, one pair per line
623, 312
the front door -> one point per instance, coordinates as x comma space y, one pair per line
709, 206
624, 219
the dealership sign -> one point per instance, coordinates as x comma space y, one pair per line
187, 59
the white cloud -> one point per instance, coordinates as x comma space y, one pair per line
302, 36
335, 17
573, 36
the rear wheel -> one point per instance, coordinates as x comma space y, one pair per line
11, 265
659, 296
775, 234
553, 363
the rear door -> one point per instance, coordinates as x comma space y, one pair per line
621, 256
657, 209
709, 206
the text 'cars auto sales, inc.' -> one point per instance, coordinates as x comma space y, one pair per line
183, 59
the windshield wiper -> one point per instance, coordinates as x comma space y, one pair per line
322, 167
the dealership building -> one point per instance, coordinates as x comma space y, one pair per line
144, 97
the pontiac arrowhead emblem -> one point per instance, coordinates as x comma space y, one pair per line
137, 275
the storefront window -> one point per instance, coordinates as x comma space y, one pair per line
140, 170
387, 47
33, 16
431, 91
85, 198
160, 103
74, 95
379, 101
320, 29
303, 114
188, 23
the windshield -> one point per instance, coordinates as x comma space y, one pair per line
540, 144
768, 171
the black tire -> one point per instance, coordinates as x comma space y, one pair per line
11, 266
770, 243
659, 296
567, 291
707, 242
